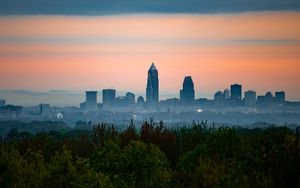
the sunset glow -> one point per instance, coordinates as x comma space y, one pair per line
259, 50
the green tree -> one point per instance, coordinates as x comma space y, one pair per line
214, 162
64, 171
18, 171
137, 165
145, 166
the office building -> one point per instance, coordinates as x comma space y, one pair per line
269, 98
140, 100
130, 98
152, 90
280, 97
250, 98
219, 98
121, 101
187, 93
108, 97
124, 101
236, 92
91, 101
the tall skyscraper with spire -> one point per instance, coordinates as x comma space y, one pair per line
152, 90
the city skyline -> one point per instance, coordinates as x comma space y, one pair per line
229, 98
234, 96
70, 48
41, 61
149, 93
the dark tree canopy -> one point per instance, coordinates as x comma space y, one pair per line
153, 156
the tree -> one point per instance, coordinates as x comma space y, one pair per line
64, 171
128, 135
137, 165
145, 166
17, 171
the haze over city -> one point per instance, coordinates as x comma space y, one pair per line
44, 57
203, 57
150, 93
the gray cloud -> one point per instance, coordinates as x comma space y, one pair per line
42, 93
23, 92
104, 7
32, 97
139, 40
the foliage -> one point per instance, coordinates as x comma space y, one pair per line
64, 171
154, 156
137, 165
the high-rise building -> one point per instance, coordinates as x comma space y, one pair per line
121, 101
280, 97
260, 100
219, 98
130, 98
250, 98
269, 98
265, 100
140, 100
108, 97
236, 92
187, 93
152, 90
91, 101
124, 101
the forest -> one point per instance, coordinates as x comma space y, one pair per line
153, 155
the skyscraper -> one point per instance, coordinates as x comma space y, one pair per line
108, 97
219, 98
280, 97
250, 98
130, 98
187, 93
269, 98
91, 101
140, 100
152, 90
236, 92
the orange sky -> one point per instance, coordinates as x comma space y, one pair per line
259, 50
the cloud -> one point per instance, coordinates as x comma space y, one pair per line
33, 97
24, 92
42, 93
86, 40
104, 7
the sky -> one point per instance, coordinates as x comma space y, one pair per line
52, 51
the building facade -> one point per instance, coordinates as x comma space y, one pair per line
250, 98
236, 92
91, 101
187, 93
130, 98
152, 90
219, 98
280, 97
108, 97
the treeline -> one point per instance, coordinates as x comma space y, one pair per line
31, 127
153, 156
